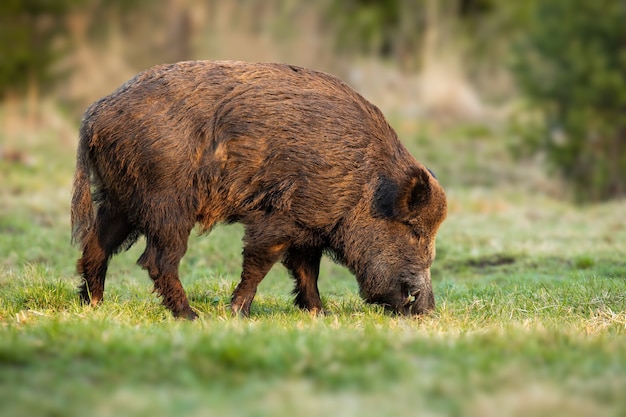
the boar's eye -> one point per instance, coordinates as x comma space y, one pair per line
415, 231
417, 234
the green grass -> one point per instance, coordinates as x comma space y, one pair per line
530, 319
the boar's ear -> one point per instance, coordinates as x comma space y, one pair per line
385, 198
392, 201
415, 192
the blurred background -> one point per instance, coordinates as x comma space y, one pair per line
528, 94
518, 106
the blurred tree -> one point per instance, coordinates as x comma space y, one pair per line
35, 34
571, 64
387, 28
29, 34
179, 30
405, 31
363, 18
163, 29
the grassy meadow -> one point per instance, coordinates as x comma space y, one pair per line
530, 319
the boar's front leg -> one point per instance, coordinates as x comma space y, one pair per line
258, 259
304, 266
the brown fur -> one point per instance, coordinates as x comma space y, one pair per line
305, 163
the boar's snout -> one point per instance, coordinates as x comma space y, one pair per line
420, 299
410, 297
423, 302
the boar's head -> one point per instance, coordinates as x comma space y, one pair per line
391, 244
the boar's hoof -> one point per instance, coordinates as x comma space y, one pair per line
239, 307
86, 298
316, 311
186, 314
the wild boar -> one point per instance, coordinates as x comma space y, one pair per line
303, 161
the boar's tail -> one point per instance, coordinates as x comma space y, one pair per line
82, 212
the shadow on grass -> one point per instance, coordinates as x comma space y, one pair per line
520, 264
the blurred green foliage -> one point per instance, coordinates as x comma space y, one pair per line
571, 65
569, 58
35, 35
367, 26
399, 29
28, 30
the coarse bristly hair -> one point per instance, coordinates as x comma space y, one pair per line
305, 163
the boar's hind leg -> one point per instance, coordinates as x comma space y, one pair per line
304, 266
257, 261
161, 259
110, 230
